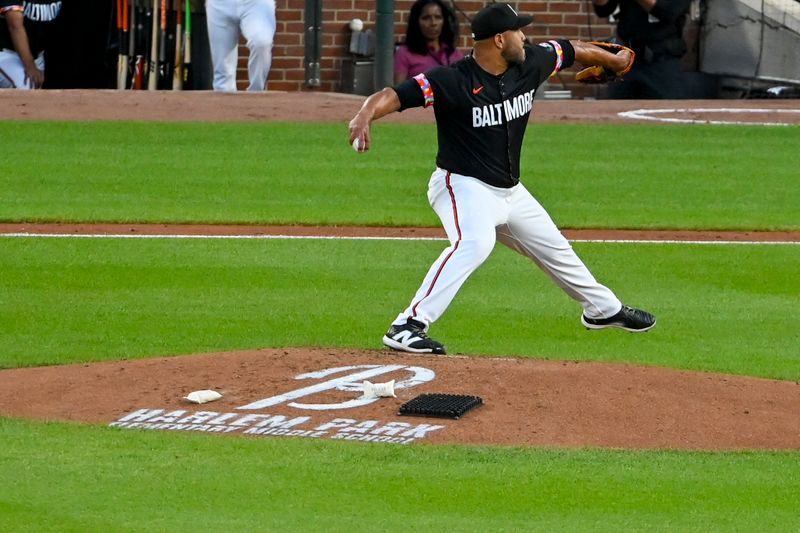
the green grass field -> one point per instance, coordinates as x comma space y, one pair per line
71, 478
692, 177
120, 298
728, 308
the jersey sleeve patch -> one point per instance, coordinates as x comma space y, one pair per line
6, 9
556, 47
427, 90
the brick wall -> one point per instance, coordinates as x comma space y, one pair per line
570, 19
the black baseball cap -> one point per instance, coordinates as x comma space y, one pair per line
497, 18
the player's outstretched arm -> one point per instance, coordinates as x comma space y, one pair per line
375, 106
605, 61
591, 55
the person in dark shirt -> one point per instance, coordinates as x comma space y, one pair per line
482, 104
22, 41
653, 29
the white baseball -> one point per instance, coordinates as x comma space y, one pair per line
357, 144
356, 25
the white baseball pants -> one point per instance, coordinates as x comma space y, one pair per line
12, 71
476, 215
227, 20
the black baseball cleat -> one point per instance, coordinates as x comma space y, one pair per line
628, 318
411, 337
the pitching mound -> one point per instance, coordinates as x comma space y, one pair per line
317, 393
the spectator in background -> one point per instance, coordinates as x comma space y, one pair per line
22, 41
430, 40
654, 30
227, 20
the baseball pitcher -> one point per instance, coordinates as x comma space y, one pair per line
482, 104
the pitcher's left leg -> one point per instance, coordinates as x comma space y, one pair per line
465, 207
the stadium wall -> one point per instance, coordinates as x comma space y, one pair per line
570, 19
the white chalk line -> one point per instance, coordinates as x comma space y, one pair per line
361, 238
645, 114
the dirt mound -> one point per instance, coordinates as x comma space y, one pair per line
315, 393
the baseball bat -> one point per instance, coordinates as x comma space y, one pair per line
131, 42
146, 36
125, 31
187, 46
122, 66
177, 73
162, 49
138, 73
140, 45
152, 78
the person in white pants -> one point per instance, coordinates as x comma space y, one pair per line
24, 25
482, 104
475, 216
15, 75
227, 21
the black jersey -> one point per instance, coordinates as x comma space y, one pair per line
38, 15
481, 118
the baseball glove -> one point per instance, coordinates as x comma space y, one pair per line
598, 74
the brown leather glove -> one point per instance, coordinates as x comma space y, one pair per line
598, 74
